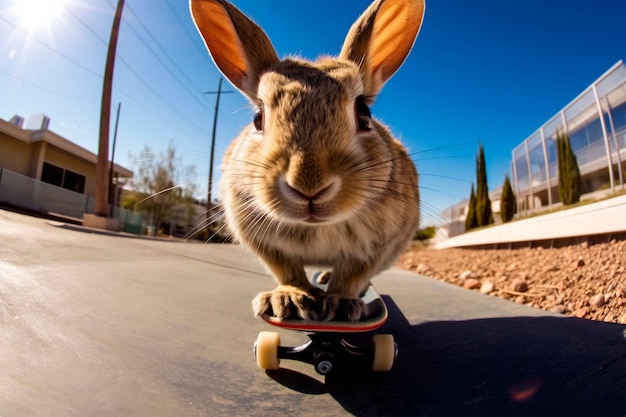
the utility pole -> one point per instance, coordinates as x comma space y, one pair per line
102, 183
219, 92
112, 189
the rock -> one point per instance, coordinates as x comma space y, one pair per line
597, 300
471, 283
558, 309
551, 268
511, 267
581, 312
466, 275
422, 269
578, 264
519, 285
487, 287
520, 299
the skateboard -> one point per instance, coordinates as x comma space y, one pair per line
328, 346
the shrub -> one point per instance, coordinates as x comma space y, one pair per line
508, 203
470, 219
569, 173
484, 215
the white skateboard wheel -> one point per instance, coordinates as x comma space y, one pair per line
384, 352
266, 350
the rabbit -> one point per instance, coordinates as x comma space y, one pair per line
314, 179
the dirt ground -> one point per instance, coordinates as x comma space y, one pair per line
583, 281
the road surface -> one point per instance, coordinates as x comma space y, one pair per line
99, 325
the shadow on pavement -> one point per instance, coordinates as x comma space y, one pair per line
500, 366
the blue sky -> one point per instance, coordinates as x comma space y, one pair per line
487, 70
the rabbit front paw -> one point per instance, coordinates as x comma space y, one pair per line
290, 302
313, 304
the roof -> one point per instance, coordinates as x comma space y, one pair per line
33, 136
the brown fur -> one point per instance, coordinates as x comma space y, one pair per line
309, 188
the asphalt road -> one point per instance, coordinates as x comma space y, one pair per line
100, 325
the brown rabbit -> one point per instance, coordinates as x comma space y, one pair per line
314, 180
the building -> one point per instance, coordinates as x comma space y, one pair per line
38, 153
596, 124
454, 216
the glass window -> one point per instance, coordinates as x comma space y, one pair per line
52, 174
74, 182
537, 163
594, 130
578, 139
521, 168
619, 116
65, 178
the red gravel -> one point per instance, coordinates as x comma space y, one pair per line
582, 281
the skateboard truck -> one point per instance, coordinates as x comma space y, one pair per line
326, 351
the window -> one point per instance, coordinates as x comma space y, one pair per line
52, 174
63, 178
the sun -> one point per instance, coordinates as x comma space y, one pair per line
36, 13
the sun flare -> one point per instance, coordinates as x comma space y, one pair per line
37, 13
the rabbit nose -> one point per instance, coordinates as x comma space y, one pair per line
308, 194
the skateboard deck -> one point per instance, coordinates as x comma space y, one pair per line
377, 316
327, 346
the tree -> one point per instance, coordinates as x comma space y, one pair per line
569, 174
470, 218
484, 215
508, 203
426, 233
156, 190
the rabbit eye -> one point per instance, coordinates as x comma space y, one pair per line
258, 119
363, 115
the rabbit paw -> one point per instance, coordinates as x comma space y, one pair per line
352, 309
290, 302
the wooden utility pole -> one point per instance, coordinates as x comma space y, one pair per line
112, 189
102, 179
219, 92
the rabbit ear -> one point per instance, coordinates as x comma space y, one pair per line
240, 49
381, 39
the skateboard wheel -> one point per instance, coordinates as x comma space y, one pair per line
266, 350
384, 352
324, 364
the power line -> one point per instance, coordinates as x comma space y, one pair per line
193, 95
45, 88
167, 55
149, 87
116, 87
124, 62
85, 25
203, 51
28, 35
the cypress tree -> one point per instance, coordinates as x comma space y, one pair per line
470, 218
569, 173
484, 215
508, 203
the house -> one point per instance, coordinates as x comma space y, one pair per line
37, 153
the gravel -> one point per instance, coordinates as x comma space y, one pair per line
583, 281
